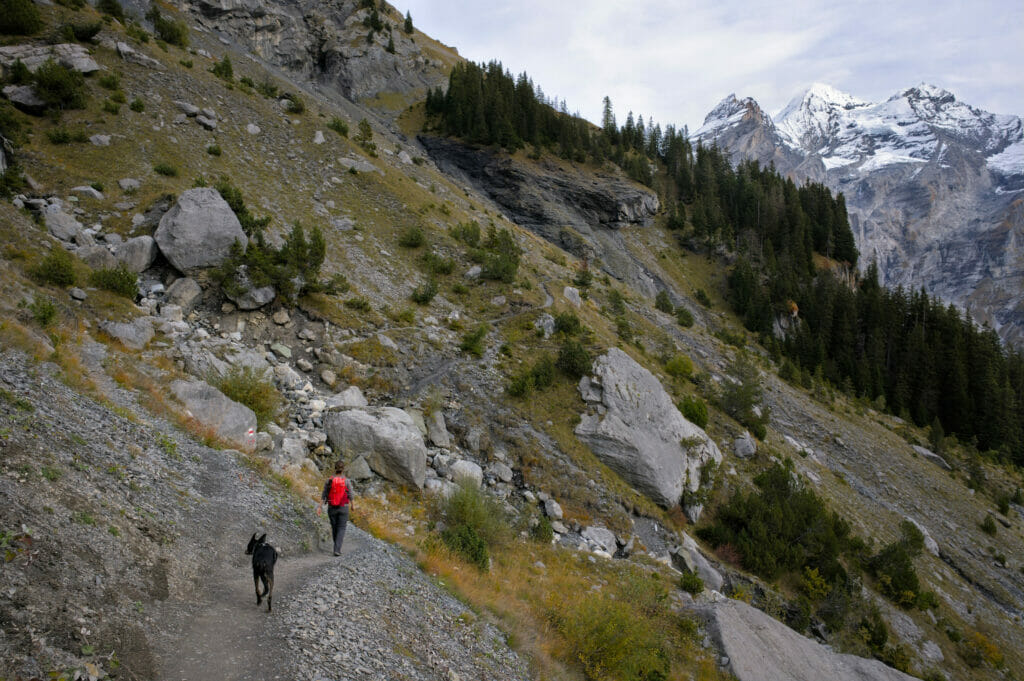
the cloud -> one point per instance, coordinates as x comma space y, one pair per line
675, 61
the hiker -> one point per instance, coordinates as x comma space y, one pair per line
337, 495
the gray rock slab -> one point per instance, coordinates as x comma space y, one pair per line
135, 334
639, 432
184, 292
199, 230
61, 225
97, 257
386, 436
137, 253
25, 98
437, 431
351, 396
464, 471
228, 419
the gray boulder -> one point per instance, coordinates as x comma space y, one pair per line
135, 334
359, 469
501, 471
638, 432
351, 396
184, 293
601, 537
137, 254
437, 432
745, 446
545, 324
25, 98
688, 557
467, 471
97, 257
387, 437
553, 509
761, 648
199, 230
247, 296
61, 225
229, 420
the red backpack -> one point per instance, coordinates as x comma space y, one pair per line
338, 494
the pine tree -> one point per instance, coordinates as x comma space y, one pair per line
407, 27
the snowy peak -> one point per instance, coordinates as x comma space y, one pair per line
814, 116
729, 113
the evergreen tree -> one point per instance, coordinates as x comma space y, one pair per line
407, 27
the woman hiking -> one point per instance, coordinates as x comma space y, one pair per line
337, 495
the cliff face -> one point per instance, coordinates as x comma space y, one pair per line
933, 186
580, 211
327, 42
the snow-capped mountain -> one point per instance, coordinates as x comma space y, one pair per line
935, 187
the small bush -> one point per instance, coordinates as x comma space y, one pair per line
702, 297
663, 302
359, 304
267, 89
501, 256
19, 17
436, 264
543, 372
187, 63
43, 310
137, 105
59, 87
573, 359
412, 237
521, 385
57, 269
168, 30
568, 323
165, 169
466, 232
684, 317
84, 33
464, 541
213, 150
473, 342
223, 69
295, 104
695, 411
423, 294
250, 387
542, 532
691, 583
111, 8
111, 107
988, 526
583, 278
339, 126
679, 366
136, 32
364, 136
18, 73
119, 280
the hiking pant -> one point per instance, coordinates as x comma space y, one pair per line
339, 520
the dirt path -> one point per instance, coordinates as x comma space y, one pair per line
233, 639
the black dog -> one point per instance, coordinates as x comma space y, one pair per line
263, 558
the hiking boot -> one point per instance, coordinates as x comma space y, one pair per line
337, 553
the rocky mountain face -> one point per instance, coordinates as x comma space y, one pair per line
326, 42
933, 186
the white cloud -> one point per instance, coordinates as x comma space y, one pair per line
677, 60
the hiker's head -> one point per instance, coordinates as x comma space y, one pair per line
339, 467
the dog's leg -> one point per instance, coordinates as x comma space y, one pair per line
256, 581
269, 590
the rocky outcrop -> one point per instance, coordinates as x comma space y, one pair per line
386, 436
760, 648
199, 230
326, 43
135, 334
635, 428
184, 293
580, 210
137, 253
246, 295
69, 55
229, 420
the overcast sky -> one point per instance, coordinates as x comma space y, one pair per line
676, 60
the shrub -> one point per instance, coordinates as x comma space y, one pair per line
568, 323
137, 105
616, 303
1003, 504
19, 17
119, 280
251, 225
295, 104
59, 87
57, 269
423, 294
988, 526
111, 8
213, 150
43, 310
59, 135
136, 32
436, 264
583, 278
542, 532
663, 302
223, 69
247, 81
741, 398
680, 366
168, 30
250, 387
466, 232
339, 126
473, 342
893, 566
464, 541
691, 583
111, 107
695, 411
573, 359
543, 372
702, 297
83, 33
18, 73
412, 237
501, 256
165, 169
365, 135
521, 385
684, 317
187, 63
267, 89
358, 303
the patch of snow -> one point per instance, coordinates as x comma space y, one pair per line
1010, 161
832, 162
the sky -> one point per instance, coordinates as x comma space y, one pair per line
676, 60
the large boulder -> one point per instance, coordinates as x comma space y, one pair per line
229, 420
25, 98
135, 334
760, 648
689, 557
636, 429
386, 436
184, 293
199, 230
137, 254
62, 225
97, 257
437, 431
